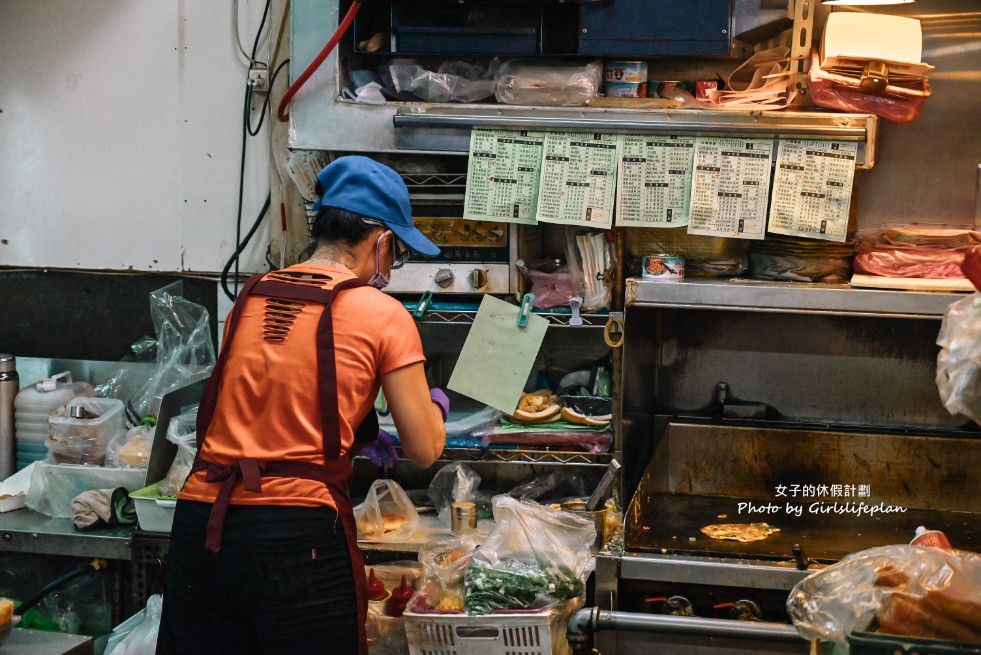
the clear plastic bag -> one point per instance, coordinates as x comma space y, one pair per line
446, 562
900, 589
591, 263
454, 81
553, 84
453, 483
468, 425
182, 432
959, 360
550, 289
386, 514
184, 353
533, 558
131, 449
554, 485
139, 636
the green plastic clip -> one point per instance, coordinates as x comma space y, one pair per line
525, 310
425, 300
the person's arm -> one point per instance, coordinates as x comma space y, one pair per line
418, 420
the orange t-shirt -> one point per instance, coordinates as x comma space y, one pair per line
269, 403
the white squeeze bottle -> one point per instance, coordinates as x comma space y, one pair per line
35, 402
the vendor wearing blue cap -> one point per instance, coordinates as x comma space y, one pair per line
263, 550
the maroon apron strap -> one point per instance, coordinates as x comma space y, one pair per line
327, 372
206, 409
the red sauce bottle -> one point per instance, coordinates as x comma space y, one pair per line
395, 605
376, 588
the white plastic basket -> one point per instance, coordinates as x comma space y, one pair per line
493, 634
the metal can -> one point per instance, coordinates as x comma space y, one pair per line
463, 518
625, 71
932, 538
625, 89
663, 268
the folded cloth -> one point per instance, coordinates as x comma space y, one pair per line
103, 507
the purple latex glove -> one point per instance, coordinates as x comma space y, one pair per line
441, 400
381, 451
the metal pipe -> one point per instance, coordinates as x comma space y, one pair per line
590, 620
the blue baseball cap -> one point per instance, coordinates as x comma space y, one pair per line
367, 188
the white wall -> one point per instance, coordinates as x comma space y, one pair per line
121, 126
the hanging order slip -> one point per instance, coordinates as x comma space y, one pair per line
654, 180
502, 178
730, 187
579, 179
812, 188
497, 356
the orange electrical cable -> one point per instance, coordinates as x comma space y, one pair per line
281, 112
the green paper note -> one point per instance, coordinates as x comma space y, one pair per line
497, 356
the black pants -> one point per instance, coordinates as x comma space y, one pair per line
282, 582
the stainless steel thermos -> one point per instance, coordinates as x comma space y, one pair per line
9, 386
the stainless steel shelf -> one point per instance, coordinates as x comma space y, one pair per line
446, 128
456, 317
502, 456
26, 531
739, 294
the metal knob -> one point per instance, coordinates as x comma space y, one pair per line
745, 610
443, 277
477, 278
678, 606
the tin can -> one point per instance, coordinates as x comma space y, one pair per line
663, 268
625, 71
463, 518
625, 89
932, 538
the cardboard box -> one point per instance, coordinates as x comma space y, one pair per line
13, 490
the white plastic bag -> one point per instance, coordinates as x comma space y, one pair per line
454, 483
959, 360
138, 634
386, 514
534, 558
183, 433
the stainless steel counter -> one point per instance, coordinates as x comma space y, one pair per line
741, 294
26, 531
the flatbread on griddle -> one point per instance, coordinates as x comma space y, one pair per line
741, 532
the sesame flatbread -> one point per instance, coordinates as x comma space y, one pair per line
741, 532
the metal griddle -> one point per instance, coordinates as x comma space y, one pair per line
664, 523
701, 471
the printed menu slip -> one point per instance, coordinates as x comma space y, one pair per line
730, 187
812, 188
502, 179
654, 180
579, 179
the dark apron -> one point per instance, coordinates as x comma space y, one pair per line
335, 474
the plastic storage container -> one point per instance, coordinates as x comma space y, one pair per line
492, 634
34, 404
81, 431
154, 512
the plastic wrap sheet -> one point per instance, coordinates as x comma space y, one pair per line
915, 251
901, 103
543, 83
906, 590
